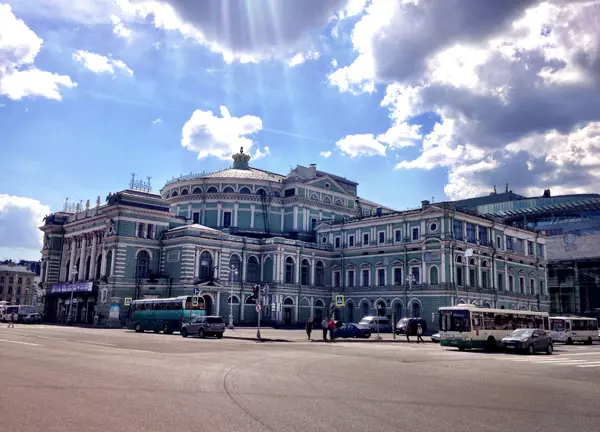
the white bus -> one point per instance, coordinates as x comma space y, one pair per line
20, 310
574, 329
469, 326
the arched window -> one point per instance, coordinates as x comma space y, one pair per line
233, 300
206, 267
197, 190
416, 310
252, 271
174, 194
305, 272
338, 202
235, 267
250, 300
433, 275
277, 194
228, 189
381, 308
78, 272
350, 307
365, 308
98, 267
88, 265
245, 191
261, 192
288, 302
326, 200
398, 310
484, 264
459, 259
289, 270
108, 262
142, 265
212, 189
319, 274
184, 192
314, 197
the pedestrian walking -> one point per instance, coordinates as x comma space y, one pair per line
420, 334
324, 325
309, 327
331, 329
407, 331
13, 320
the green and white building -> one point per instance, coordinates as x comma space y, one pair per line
306, 235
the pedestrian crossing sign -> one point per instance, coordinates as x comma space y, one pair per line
339, 300
194, 300
127, 301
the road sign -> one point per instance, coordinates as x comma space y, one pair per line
194, 300
258, 308
196, 291
339, 300
127, 301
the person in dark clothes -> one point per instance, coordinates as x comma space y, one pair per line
324, 325
309, 327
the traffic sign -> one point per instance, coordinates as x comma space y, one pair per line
196, 291
258, 308
195, 301
127, 301
339, 300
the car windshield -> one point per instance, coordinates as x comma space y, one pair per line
455, 320
365, 321
521, 333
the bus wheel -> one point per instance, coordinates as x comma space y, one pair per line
588, 341
138, 328
165, 328
569, 341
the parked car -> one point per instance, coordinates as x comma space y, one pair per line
435, 338
410, 325
32, 318
352, 330
204, 326
376, 324
529, 340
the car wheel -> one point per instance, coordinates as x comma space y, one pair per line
201, 333
569, 341
165, 328
219, 335
549, 349
184, 333
138, 328
530, 350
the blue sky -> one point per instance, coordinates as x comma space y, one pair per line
376, 91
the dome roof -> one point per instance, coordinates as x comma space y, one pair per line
248, 173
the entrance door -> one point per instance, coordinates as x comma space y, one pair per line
318, 316
287, 316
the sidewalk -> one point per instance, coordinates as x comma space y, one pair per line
270, 334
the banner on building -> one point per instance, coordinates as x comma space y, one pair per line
79, 287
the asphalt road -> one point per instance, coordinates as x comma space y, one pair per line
73, 379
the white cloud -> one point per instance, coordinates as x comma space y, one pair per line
334, 63
300, 58
325, 154
98, 63
157, 121
258, 154
361, 145
120, 29
211, 135
20, 218
19, 46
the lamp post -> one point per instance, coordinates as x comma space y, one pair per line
232, 271
409, 281
70, 316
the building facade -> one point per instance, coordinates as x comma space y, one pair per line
17, 285
307, 236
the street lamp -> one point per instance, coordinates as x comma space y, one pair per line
70, 316
232, 271
409, 281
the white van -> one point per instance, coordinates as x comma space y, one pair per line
377, 324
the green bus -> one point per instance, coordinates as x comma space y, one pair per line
166, 314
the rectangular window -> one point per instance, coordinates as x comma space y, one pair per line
289, 192
509, 245
542, 288
381, 277
226, 219
498, 242
483, 235
511, 283
381, 237
472, 278
350, 278
540, 250
398, 235
149, 231
484, 279
470, 233
140, 231
522, 285
313, 224
336, 279
337, 242
531, 286
416, 275
196, 217
500, 282
529, 248
365, 278
458, 229
415, 234
351, 241
365, 239
19, 281
397, 276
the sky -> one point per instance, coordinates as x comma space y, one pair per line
412, 99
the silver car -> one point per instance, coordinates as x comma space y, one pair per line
528, 340
204, 326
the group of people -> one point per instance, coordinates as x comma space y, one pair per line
326, 326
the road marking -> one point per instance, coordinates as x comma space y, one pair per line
590, 365
19, 342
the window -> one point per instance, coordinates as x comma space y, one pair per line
142, 265
289, 192
542, 292
98, 267
459, 276
365, 239
470, 233
245, 191
509, 243
415, 233
416, 310
327, 185
319, 273
150, 231
313, 224
365, 278
226, 219
351, 241
212, 189
540, 250
483, 235
433, 275
305, 272
252, 271
381, 237
529, 248
522, 285
19, 281
228, 189
484, 279
337, 242
336, 278
350, 278
398, 276
531, 286
196, 217
511, 283
472, 277
324, 239
235, 268
500, 281
433, 226
205, 267
197, 190
498, 242
140, 230
416, 275
398, 235
381, 277
289, 270
457, 226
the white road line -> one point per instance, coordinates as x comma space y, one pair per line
589, 365
19, 342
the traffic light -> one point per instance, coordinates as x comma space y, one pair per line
255, 292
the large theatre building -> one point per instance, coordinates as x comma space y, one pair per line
307, 235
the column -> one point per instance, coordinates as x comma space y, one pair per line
218, 305
113, 262
305, 218
282, 216
236, 206
203, 213
92, 274
189, 211
296, 309
244, 266
261, 260
252, 210
71, 260
275, 267
295, 218
196, 263
443, 269
506, 277
312, 307
63, 275
103, 263
312, 270
242, 307
298, 263
81, 269
479, 273
219, 210
424, 275
217, 265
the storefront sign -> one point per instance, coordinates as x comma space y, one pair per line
114, 311
79, 287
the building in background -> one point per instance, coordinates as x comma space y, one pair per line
17, 284
306, 235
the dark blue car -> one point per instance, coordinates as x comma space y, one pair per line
352, 331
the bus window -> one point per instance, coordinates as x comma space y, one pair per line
477, 319
455, 320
